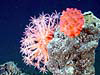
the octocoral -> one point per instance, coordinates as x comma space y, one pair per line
71, 22
37, 35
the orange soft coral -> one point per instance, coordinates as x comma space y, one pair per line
37, 36
71, 22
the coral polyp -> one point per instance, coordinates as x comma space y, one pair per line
37, 35
71, 22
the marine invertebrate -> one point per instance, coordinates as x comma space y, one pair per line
36, 37
71, 22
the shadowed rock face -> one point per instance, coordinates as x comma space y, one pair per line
75, 56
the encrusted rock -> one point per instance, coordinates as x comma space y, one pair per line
10, 68
75, 56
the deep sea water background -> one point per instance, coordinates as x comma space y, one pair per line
15, 15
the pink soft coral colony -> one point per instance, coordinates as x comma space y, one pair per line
40, 32
37, 36
71, 22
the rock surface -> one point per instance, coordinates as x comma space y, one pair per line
75, 56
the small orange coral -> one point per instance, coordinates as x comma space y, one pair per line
71, 22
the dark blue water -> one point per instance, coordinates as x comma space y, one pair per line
15, 14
